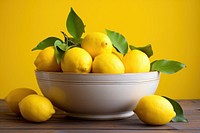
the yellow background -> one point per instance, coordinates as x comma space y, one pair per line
171, 26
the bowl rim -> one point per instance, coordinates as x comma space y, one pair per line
96, 74
97, 77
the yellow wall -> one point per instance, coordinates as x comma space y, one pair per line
171, 26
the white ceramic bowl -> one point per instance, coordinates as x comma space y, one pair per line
97, 96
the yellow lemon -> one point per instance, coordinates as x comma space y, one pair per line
46, 60
136, 61
96, 43
36, 108
15, 96
107, 63
154, 110
76, 60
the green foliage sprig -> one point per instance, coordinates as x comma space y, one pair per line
75, 27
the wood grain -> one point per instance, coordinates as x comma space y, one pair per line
60, 122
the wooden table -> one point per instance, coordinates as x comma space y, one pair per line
61, 123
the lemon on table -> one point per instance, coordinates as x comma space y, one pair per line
154, 110
36, 108
15, 96
76, 60
107, 63
96, 43
136, 61
46, 60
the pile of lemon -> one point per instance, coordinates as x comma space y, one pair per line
95, 55
31, 106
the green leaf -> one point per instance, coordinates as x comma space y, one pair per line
69, 41
46, 43
65, 37
60, 49
75, 41
75, 25
146, 49
167, 66
60, 45
179, 111
118, 41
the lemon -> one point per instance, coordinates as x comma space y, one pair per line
15, 96
46, 60
76, 60
36, 108
96, 43
154, 110
136, 61
107, 63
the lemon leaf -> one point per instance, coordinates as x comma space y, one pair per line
46, 43
167, 66
69, 41
118, 41
178, 109
75, 25
146, 49
60, 49
65, 37
62, 46
75, 42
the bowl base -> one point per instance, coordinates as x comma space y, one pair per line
121, 115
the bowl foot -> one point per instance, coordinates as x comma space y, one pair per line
121, 115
